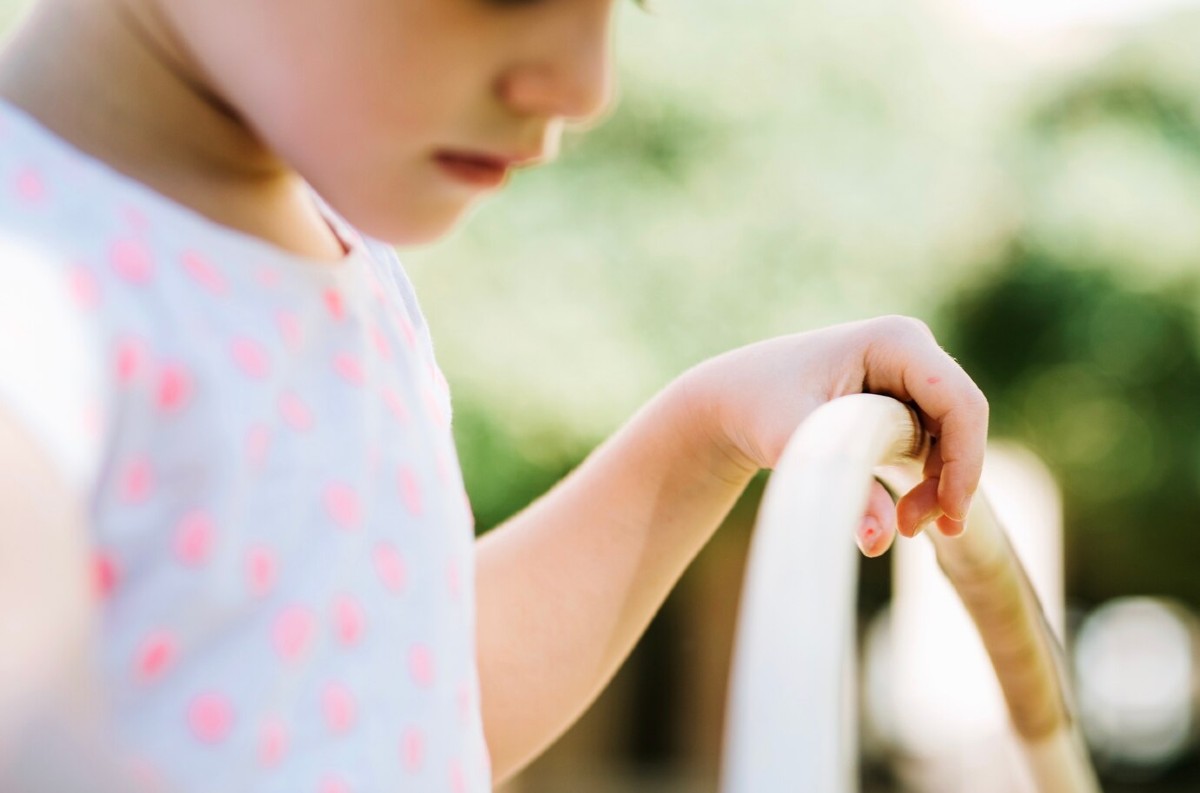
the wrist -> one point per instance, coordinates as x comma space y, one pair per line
700, 423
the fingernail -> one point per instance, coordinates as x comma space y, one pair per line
951, 528
931, 515
868, 534
964, 510
870, 528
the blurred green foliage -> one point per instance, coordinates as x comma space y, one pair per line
1084, 330
769, 168
1101, 382
779, 166
776, 166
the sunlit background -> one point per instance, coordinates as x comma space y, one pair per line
1024, 174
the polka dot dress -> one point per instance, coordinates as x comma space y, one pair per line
282, 544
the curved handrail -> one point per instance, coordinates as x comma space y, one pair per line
790, 726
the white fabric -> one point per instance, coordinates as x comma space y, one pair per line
284, 550
49, 373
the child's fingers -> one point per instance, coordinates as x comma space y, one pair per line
961, 447
904, 361
878, 528
951, 527
917, 507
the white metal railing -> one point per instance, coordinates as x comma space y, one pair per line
790, 723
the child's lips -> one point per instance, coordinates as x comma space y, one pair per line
479, 169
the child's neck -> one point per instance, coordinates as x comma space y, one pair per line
109, 86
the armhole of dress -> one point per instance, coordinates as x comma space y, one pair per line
51, 377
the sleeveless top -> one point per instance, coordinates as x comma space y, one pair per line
283, 546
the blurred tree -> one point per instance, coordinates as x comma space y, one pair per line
1102, 382
768, 168
1084, 330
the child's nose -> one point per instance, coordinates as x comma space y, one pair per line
571, 80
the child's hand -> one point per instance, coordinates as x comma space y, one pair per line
565, 587
750, 400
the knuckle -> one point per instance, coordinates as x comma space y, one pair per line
976, 401
905, 327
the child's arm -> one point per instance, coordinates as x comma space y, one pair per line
565, 588
47, 694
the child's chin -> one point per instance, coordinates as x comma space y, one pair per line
422, 229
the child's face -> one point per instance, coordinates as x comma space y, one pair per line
370, 100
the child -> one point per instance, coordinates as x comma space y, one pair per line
217, 393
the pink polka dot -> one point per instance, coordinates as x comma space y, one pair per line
104, 575
85, 292
347, 620
332, 784
421, 665
458, 779
349, 369
157, 652
93, 418
135, 218
30, 186
334, 304
338, 705
260, 570
258, 443
210, 717
293, 632
395, 404
272, 743
377, 290
410, 490
204, 273
406, 328
295, 411
131, 261
174, 388
144, 773
343, 506
133, 358
379, 339
267, 276
137, 481
433, 407
194, 538
389, 564
412, 749
444, 466
290, 329
463, 698
250, 357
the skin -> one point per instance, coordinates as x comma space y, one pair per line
225, 117
231, 119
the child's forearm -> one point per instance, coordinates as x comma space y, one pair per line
566, 588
